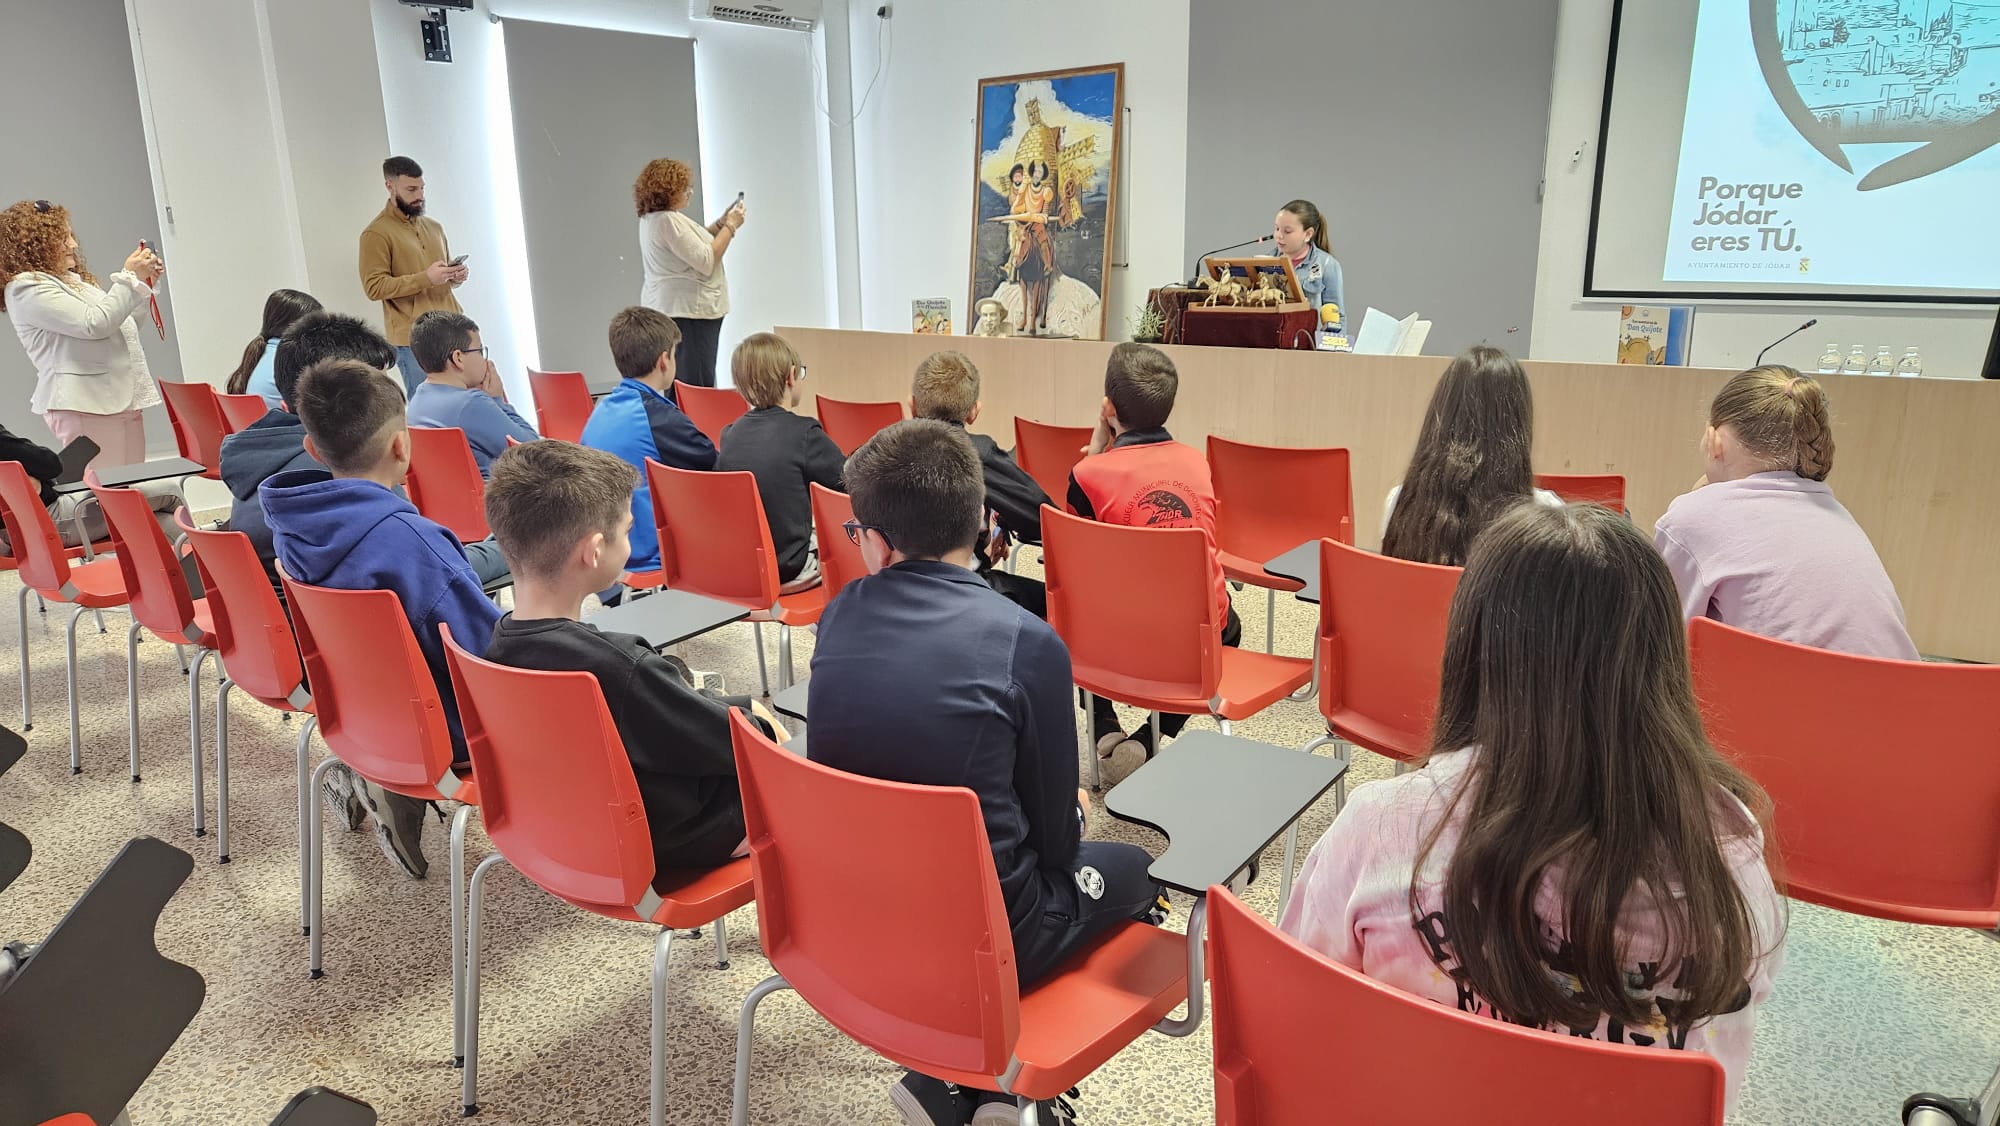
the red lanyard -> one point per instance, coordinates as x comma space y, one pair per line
158, 323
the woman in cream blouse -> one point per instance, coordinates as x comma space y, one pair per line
91, 379
683, 261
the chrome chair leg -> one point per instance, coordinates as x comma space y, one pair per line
763, 672
459, 820
75, 738
786, 675
315, 845
746, 1023
194, 728
27, 706
305, 797
132, 693
1270, 619
722, 943
469, 1082
662, 947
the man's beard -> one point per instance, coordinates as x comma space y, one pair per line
411, 209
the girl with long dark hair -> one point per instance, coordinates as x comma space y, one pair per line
1574, 855
255, 374
1471, 462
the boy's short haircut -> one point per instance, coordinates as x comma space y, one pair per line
325, 335
545, 496
760, 368
946, 387
1141, 383
919, 484
638, 336
436, 335
348, 409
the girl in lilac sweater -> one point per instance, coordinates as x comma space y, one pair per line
1761, 543
1574, 856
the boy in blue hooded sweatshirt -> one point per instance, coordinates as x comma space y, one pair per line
346, 527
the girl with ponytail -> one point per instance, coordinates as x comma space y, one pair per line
255, 374
1300, 232
1471, 462
1761, 543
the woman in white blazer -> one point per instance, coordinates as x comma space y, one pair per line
683, 263
91, 378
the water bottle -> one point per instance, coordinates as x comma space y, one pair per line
1882, 364
1857, 361
1829, 360
1911, 365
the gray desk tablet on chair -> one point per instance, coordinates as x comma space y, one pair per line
791, 701
125, 476
1300, 564
668, 617
1219, 800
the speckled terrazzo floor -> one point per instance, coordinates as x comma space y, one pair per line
1864, 1013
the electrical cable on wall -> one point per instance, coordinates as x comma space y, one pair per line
885, 43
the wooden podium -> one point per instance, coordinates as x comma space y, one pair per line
1291, 323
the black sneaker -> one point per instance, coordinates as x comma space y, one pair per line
399, 827
924, 1101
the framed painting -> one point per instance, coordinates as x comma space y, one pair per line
1045, 186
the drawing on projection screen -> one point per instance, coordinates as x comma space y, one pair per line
1850, 72
1045, 172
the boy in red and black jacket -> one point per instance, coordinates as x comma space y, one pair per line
1137, 475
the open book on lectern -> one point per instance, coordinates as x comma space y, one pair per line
1384, 335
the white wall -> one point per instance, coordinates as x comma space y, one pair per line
913, 142
1725, 336
760, 135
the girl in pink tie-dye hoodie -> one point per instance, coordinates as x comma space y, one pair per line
1574, 856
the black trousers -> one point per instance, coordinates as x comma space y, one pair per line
694, 359
1110, 886
1104, 720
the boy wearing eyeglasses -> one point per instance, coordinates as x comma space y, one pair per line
462, 388
924, 674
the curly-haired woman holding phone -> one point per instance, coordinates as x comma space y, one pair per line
91, 379
683, 263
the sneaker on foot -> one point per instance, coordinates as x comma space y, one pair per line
399, 827
337, 791
1109, 742
924, 1101
1000, 1110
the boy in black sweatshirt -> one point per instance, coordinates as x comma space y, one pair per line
787, 452
561, 514
946, 388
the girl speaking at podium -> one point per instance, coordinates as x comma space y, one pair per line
1300, 232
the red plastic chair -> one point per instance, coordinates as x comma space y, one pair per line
711, 409
1807, 724
45, 570
850, 425
1136, 606
1301, 1040
1607, 489
1381, 648
562, 403
380, 714
198, 424
1048, 453
444, 481
255, 652
840, 559
161, 603
1271, 499
926, 981
560, 804
715, 541
239, 411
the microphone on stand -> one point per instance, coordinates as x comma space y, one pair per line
1782, 339
1194, 274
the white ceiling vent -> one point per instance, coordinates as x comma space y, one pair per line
784, 15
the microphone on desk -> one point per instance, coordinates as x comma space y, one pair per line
1782, 339
1194, 275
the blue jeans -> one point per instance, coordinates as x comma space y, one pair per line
406, 362
486, 560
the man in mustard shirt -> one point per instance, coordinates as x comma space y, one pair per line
405, 262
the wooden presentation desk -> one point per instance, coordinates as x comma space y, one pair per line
1917, 460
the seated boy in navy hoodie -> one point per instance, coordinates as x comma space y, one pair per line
638, 421
562, 514
346, 527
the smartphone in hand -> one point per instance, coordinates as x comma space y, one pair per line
458, 261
